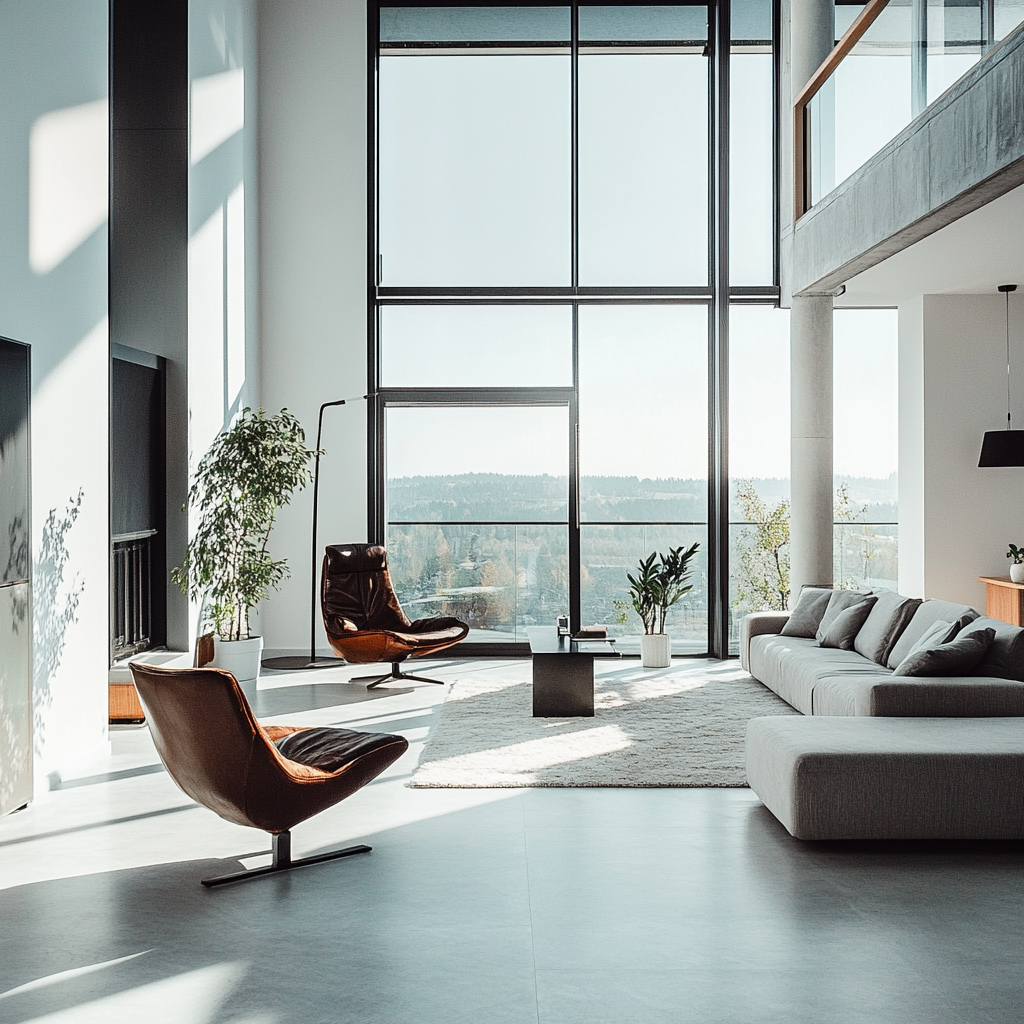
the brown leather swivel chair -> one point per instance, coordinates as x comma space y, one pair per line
269, 777
365, 622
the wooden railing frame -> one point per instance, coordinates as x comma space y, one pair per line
851, 37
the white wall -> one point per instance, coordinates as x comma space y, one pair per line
956, 520
313, 275
53, 295
223, 251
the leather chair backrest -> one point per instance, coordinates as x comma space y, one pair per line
205, 734
356, 592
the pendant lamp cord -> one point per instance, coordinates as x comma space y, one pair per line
1006, 289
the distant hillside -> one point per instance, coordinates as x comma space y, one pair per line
497, 497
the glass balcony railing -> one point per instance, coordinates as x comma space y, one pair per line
896, 58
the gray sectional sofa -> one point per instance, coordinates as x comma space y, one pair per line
826, 681
879, 754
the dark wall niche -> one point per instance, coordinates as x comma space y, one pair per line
149, 275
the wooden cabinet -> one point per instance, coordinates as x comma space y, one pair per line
1004, 600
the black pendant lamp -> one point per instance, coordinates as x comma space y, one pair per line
1004, 447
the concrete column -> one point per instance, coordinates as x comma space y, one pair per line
811, 515
811, 37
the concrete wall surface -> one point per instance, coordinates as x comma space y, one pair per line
963, 151
956, 520
313, 273
53, 296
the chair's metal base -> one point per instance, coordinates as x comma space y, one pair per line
281, 846
395, 673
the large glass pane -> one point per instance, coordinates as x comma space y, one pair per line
410, 25
751, 169
643, 453
477, 463
866, 452
474, 170
750, 22
476, 346
645, 24
759, 450
643, 413
643, 153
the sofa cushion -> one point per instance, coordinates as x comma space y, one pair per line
956, 657
926, 614
807, 613
939, 632
839, 601
847, 624
796, 669
884, 626
1005, 657
775, 661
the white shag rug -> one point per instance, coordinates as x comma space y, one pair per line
682, 726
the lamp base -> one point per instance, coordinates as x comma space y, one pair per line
300, 663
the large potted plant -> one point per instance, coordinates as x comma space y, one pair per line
660, 582
248, 473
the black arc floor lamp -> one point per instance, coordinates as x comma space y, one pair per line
302, 662
1004, 447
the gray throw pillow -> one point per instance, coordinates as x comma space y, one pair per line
929, 612
806, 615
884, 626
843, 630
940, 632
1005, 658
958, 657
838, 602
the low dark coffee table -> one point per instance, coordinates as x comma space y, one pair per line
563, 673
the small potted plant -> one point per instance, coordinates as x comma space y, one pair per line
660, 582
248, 473
1016, 556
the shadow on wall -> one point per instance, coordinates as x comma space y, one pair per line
55, 607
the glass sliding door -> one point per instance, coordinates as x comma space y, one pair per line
477, 513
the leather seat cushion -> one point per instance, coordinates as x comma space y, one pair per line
330, 749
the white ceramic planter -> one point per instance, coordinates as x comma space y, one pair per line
656, 650
240, 657
1017, 572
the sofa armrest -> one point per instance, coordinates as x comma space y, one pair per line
756, 624
947, 697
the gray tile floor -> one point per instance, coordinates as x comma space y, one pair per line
479, 906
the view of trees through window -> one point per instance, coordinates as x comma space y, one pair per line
547, 318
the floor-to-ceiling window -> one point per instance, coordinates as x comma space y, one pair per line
574, 225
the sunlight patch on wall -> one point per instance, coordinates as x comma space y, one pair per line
205, 335
218, 111
235, 275
68, 192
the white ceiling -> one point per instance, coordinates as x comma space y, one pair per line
971, 256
